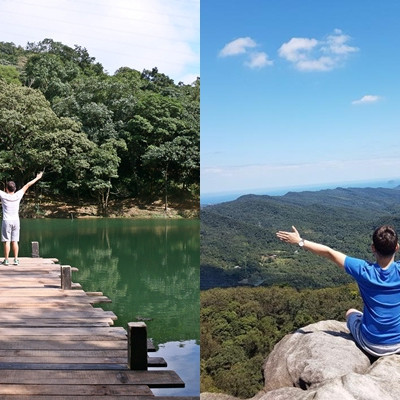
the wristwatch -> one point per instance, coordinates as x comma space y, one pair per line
301, 243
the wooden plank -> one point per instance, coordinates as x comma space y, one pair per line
33, 353
33, 267
155, 379
27, 274
99, 299
40, 343
53, 305
66, 314
63, 366
40, 292
46, 302
63, 319
58, 323
29, 277
75, 390
74, 397
150, 345
39, 260
156, 362
62, 359
29, 270
112, 332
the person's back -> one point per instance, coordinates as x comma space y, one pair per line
380, 291
10, 203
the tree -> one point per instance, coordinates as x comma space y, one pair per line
161, 157
10, 53
50, 74
9, 74
78, 55
104, 167
33, 138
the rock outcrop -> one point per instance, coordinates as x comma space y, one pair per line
321, 361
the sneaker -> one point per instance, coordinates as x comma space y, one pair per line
16, 261
5, 262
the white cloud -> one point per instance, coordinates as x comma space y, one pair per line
336, 44
297, 49
309, 54
258, 60
321, 64
237, 46
244, 45
367, 99
133, 33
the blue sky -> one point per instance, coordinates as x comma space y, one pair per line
298, 93
118, 33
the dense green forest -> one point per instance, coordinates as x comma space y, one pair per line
240, 326
239, 246
260, 289
97, 136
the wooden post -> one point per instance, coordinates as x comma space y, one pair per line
137, 346
66, 277
35, 249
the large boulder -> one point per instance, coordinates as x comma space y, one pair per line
321, 361
312, 355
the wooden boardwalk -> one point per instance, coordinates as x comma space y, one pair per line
55, 345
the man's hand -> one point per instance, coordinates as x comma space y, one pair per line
29, 184
289, 237
321, 250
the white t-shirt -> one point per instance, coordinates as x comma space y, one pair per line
10, 203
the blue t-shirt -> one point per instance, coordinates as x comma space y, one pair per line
380, 291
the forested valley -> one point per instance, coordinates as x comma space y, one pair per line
98, 137
256, 289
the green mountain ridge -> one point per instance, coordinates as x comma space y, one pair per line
239, 246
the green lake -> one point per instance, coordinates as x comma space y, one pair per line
148, 268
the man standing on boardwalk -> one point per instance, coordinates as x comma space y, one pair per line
10, 200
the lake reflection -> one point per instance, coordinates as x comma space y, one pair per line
148, 268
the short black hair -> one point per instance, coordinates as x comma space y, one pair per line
385, 240
11, 186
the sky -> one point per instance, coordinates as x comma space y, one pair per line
298, 93
139, 34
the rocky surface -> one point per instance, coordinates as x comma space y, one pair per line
321, 361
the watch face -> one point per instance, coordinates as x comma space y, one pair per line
301, 243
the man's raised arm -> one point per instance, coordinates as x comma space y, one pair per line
316, 248
33, 181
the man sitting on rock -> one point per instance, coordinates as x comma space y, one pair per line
376, 329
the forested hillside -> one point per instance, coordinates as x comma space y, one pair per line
240, 326
239, 246
98, 136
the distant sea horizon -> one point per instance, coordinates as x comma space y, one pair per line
221, 197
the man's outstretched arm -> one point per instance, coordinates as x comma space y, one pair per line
33, 181
294, 238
